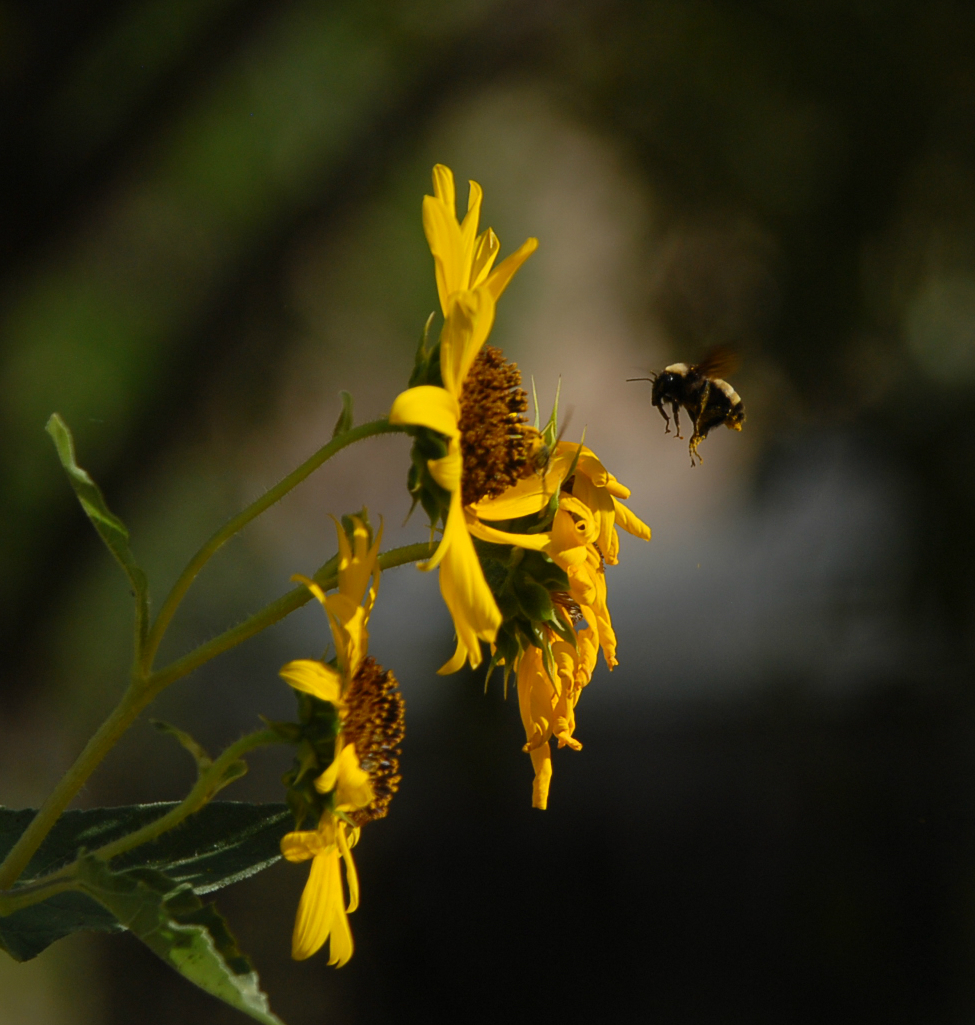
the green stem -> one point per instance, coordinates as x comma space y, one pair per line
25, 896
142, 692
232, 527
121, 717
211, 780
326, 577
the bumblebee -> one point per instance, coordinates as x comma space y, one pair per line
707, 399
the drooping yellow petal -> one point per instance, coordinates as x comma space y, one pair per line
322, 909
535, 542
315, 678
600, 502
347, 839
568, 544
542, 764
529, 495
348, 779
313, 921
301, 845
465, 591
349, 623
448, 470
427, 406
630, 522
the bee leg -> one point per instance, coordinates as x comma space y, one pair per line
696, 440
663, 413
676, 410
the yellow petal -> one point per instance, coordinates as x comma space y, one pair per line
630, 522
465, 591
351, 875
427, 406
468, 230
601, 503
465, 330
498, 280
314, 919
536, 542
447, 471
542, 763
340, 945
485, 251
349, 781
315, 678
301, 845
529, 495
443, 186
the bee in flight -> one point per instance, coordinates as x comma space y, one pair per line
707, 399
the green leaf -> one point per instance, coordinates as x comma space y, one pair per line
188, 935
110, 528
222, 843
344, 422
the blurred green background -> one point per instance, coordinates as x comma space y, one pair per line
211, 224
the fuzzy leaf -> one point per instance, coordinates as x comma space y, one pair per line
110, 528
189, 936
222, 843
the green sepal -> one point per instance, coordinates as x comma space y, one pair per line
427, 445
224, 842
318, 726
426, 364
543, 571
344, 422
185, 740
189, 936
533, 599
234, 770
110, 528
550, 433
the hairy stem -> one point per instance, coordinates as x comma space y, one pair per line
235, 525
326, 577
120, 719
143, 690
210, 781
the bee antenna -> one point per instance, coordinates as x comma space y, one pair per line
654, 378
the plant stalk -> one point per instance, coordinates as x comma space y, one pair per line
233, 526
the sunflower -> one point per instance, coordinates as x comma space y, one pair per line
472, 441
353, 713
554, 657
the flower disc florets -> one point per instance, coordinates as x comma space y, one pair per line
374, 724
496, 441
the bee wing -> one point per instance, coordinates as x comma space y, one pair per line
720, 361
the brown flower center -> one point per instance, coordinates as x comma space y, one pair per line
374, 724
497, 444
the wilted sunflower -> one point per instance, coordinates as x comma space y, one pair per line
555, 626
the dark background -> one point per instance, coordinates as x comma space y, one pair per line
210, 223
